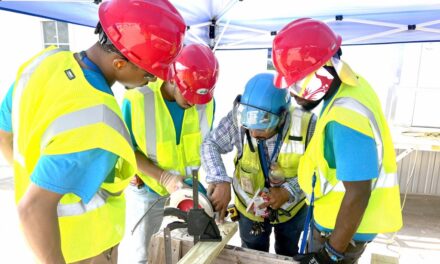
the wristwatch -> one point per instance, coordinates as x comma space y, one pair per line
333, 254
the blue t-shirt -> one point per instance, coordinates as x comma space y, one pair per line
353, 155
81, 173
6, 110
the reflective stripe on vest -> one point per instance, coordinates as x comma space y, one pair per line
295, 133
203, 119
18, 92
88, 116
150, 122
79, 208
384, 180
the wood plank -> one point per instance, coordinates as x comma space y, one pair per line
381, 259
206, 252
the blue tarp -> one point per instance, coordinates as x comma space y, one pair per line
251, 24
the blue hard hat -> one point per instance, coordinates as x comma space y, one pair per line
262, 94
262, 104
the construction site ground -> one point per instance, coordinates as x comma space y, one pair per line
417, 242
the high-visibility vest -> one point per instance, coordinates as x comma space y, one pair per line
56, 111
154, 132
358, 108
248, 168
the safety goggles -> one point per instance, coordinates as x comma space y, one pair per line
254, 118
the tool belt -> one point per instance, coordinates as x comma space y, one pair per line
137, 181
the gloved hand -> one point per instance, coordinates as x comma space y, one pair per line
320, 257
220, 194
172, 182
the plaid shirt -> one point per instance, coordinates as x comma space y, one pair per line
223, 139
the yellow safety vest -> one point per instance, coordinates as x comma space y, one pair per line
154, 132
358, 108
56, 111
248, 171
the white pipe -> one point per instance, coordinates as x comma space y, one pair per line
430, 23
248, 29
243, 40
199, 39
372, 36
375, 23
428, 29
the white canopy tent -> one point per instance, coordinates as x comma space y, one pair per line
251, 24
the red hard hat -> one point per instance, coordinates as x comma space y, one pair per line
196, 71
302, 47
148, 32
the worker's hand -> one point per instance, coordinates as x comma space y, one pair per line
220, 194
172, 182
320, 257
277, 196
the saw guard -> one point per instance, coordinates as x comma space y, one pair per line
180, 199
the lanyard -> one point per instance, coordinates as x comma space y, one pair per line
264, 161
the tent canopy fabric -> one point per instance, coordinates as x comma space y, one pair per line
251, 24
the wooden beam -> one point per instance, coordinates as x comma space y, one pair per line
206, 252
237, 255
382, 259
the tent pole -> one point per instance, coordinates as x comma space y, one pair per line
225, 10
221, 35
372, 36
199, 39
248, 29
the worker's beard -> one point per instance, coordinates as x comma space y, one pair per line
307, 105
310, 105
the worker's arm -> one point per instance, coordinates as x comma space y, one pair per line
220, 141
37, 211
146, 166
354, 203
356, 162
6, 145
